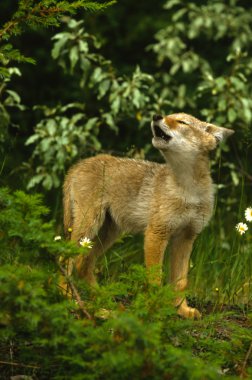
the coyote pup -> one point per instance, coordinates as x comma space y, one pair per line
106, 195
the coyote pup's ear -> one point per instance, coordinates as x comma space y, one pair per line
219, 133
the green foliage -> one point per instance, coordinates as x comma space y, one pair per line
59, 139
45, 13
32, 14
60, 136
25, 236
9, 100
35, 14
207, 50
73, 46
134, 330
123, 96
8, 54
222, 92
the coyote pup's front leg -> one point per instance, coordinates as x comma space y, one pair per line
181, 250
155, 242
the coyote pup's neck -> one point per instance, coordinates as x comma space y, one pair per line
190, 173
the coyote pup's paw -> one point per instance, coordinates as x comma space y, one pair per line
189, 312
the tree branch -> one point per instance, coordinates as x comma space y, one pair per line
243, 374
75, 292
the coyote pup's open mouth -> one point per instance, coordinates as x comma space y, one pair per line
161, 136
158, 132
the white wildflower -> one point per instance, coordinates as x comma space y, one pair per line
86, 242
57, 238
241, 228
248, 214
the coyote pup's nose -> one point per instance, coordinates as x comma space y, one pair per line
157, 117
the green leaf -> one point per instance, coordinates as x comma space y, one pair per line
97, 74
220, 82
232, 115
110, 121
136, 98
115, 105
74, 56
83, 46
45, 144
32, 139
51, 127
47, 182
234, 177
14, 96
76, 118
35, 180
91, 123
57, 47
103, 88
222, 104
171, 3
179, 14
247, 109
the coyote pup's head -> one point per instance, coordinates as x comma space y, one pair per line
180, 132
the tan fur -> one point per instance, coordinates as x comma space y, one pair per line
106, 195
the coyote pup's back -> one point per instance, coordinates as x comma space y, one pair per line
120, 187
106, 195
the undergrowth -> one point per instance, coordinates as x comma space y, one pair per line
130, 329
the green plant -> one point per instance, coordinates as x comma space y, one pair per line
9, 100
33, 14
60, 137
77, 52
30, 14
212, 82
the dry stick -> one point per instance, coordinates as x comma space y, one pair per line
75, 292
19, 364
242, 375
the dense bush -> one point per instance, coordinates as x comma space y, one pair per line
130, 330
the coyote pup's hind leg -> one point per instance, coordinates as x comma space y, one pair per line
86, 222
85, 265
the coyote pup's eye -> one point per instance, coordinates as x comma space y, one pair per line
182, 122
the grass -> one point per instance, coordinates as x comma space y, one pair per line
218, 273
220, 268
